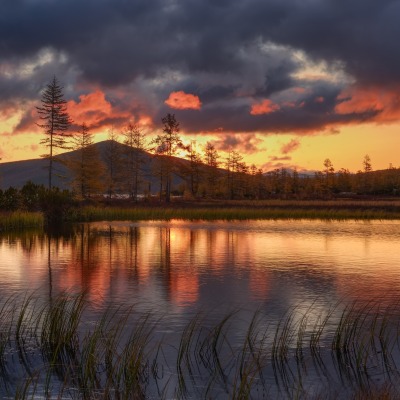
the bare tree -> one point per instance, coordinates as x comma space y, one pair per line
55, 121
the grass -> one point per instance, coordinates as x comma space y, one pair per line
19, 220
331, 210
216, 210
53, 349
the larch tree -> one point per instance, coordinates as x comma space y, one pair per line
193, 172
329, 175
135, 140
55, 121
366, 176
367, 166
235, 167
113, 158
86, 166
211, 157
166, 146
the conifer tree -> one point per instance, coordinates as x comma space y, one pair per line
135, 140
55, 121
86, 166
113, 157
211, 157
167, 145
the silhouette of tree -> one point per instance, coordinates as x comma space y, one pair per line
212, 175
55, 121
329, 176
135, 140
166, 146
114, 163
86, 166
366, 176
193, 172
367, 163
235, 167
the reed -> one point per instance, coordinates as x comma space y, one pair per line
19, 220
89, 214
53, 350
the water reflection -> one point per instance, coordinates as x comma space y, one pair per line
174, 269
178, 266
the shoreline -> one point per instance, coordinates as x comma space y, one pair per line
336, 209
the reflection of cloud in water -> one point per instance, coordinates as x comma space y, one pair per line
181, 265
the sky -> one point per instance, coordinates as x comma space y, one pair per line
287, 83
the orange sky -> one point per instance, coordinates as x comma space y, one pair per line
286, 84
345, 145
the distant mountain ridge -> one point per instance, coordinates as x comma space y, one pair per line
17, 173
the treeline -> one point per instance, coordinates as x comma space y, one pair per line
329, 183
131, 163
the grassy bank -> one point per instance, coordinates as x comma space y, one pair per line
213, 210
53, 350
19, 220
245, 210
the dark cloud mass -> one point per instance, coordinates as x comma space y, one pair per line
300, 55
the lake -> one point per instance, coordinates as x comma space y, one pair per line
285, 276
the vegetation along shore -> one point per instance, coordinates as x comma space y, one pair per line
60, 350
21, 210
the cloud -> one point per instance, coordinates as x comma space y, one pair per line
183, 101
385, 105
265, 107
244, 143
299, 67
275, 158
95, 110
293, 145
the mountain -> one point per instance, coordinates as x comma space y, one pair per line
17, 173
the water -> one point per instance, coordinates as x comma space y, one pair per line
177, 269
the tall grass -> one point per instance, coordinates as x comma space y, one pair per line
232, 210
55, 350
89, 214
19, 220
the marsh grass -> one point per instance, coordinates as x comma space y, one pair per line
217, 210
54, 349
19, 220
272, 210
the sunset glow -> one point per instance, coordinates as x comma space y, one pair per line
266, 89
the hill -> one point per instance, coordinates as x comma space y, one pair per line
17, 173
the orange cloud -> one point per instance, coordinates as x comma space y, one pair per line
183, 101
386, 104
265, 107
91, 108
293, 145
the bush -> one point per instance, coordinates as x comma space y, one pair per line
30, 196
10, 199
55, 204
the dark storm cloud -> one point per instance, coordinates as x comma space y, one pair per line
232, 54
